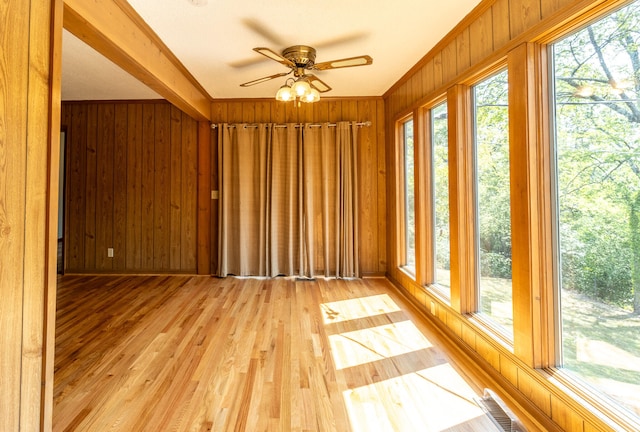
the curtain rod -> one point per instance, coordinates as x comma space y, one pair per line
361, 124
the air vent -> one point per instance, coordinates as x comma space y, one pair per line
498, 412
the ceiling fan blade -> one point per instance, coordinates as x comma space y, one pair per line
263, 79
345, 62
341, 40
274, 56
263, 31
317, 83
254, 60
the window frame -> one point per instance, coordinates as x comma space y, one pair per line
429, 183
401, 198
579, 389
472, 296
530, 362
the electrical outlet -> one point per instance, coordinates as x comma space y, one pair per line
110, 252
433, 308
214, 194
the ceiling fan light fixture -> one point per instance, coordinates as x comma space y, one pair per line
312, 96
284, 93
301, 87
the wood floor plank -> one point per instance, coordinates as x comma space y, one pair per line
196, 353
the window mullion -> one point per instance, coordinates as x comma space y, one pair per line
461, 203
423, 202
531, 206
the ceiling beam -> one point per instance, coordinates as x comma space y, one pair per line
115, 30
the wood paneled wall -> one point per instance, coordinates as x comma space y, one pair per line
372, 172
131, 185
29, 96
494, 31
482, 38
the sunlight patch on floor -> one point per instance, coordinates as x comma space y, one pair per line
397, 380
419, 401
376, 343
346, 310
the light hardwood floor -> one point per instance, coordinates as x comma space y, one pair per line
181, 353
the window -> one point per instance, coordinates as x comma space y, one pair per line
440, 155
596, 75
491, 137
409, 198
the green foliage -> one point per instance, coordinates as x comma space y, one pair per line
492, 171
410, 214
441, 186
597, 83
494, 264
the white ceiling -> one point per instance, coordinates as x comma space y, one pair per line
214, 40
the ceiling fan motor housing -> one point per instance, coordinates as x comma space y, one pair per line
302, 56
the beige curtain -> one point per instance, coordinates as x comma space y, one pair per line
288, 200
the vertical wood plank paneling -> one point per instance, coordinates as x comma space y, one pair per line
426, 75
189, 190
75, 188
335, 111
500, 20
148, 184
90, 186
134, 187
548, 7
262, 111
532, 390
416, 88
162, 179
481, 37
128, 190
131, 188
175, 222
65, 121
278, 114
564, 416
449, 61
219, 112
203, 199
320, 110
437, 70
349, 109
104, 186
367, 169
463, 48
402, 96
381, 159
235, 112
305, 113
120, 188
291, 112
248, 112
509, 370
523, 15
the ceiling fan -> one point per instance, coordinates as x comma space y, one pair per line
300, 59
